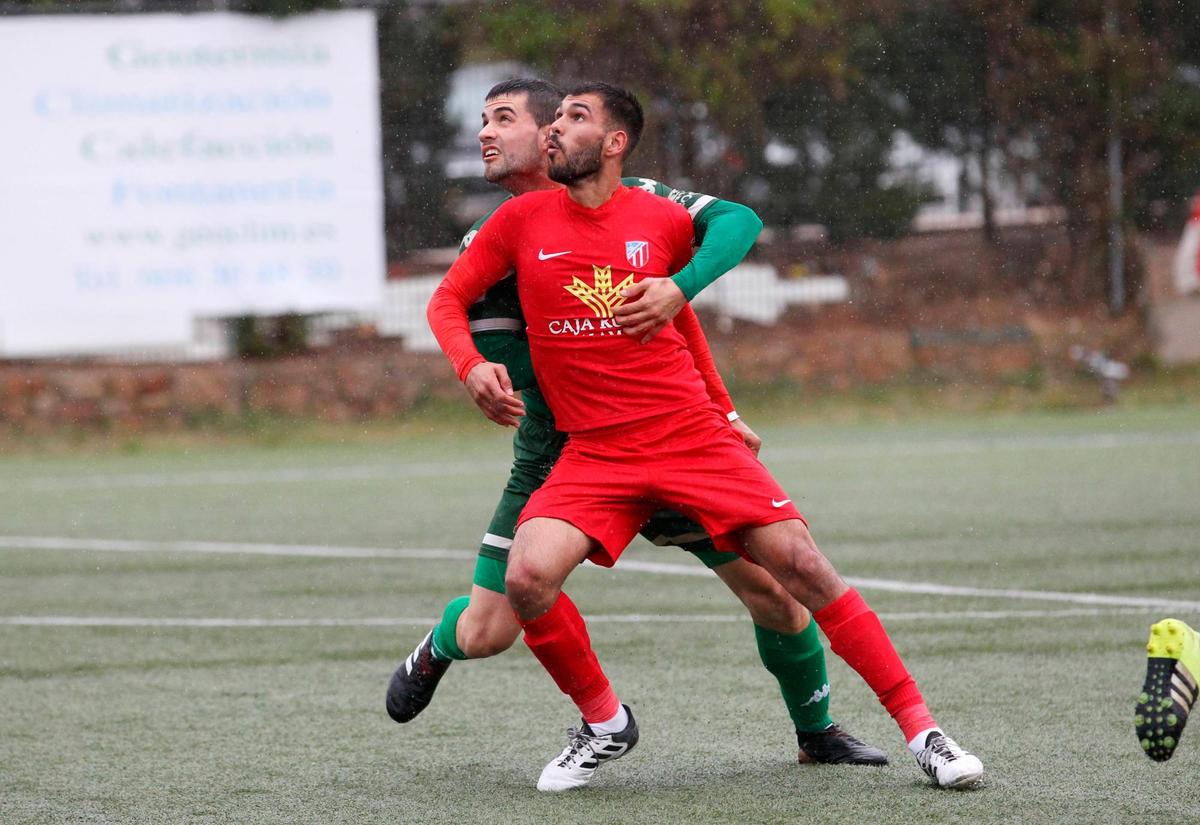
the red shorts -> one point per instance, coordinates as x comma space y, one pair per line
607, 484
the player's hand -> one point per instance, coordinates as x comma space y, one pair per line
491, 389
649, 305
748, 435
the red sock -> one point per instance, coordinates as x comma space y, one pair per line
559, 640
855, 634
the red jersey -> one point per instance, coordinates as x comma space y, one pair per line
573, 263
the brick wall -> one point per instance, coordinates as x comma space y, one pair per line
379, 382
839, 351
833, 349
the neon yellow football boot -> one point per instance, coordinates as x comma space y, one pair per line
1170, 690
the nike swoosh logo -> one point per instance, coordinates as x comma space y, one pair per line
778, 504
542, 256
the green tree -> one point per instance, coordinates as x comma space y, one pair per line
1167, 168
720, 80
841, 128
940, 57
1067, 81
419, 47
1042, 84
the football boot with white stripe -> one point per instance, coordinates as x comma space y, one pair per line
584, 752
1170, 690
947, 763
413, 683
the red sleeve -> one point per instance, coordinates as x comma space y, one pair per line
483, 263
689, 327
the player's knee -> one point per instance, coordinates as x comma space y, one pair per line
805, 566
811, 578
479, 640
807, 562
791, 555
526, 585
518, 580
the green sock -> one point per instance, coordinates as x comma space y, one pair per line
797, 660
445, 643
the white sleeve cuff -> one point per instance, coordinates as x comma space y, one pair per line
733, 416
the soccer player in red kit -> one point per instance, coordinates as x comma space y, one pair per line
643, 434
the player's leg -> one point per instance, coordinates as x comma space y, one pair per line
1170, 689
544, 553
788, 643
487, 627
708, 473
473, 627
790, 649
787, 550
482, 624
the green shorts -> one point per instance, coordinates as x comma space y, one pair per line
536, 447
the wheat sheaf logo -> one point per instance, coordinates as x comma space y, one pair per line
603, 297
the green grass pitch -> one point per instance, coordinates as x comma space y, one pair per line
189, 634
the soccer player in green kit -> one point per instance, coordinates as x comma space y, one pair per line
516, 118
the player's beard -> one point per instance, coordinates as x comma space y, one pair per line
568, 169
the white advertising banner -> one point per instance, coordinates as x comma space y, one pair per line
158, 168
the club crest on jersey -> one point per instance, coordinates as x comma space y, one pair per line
601, 297
637, 253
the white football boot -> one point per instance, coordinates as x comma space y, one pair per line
947, 763
584, 752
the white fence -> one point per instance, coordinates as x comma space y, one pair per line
751, 292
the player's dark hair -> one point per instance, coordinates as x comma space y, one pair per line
621, 107
542, 97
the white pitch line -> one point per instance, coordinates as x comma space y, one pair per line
138, 621
985, 444
282, 475
1036, 595
634, 618
231, 548
630, 565
933, 589
401, 470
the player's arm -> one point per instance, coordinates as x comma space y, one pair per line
469, 277
689, 327
725, 231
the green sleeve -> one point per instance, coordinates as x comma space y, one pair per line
726, 231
